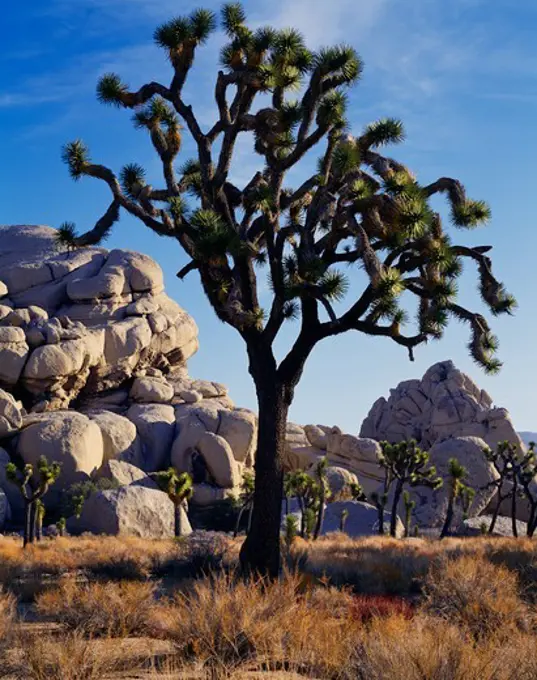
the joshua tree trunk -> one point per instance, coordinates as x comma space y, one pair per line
260, 552
320, 514
396, 499
28, 516
33, 522
38, 526
513, 509
496, 513
178, 519
532, 521
380, 510
449, 518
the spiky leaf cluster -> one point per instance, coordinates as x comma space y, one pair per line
406, 461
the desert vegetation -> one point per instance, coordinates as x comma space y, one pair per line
370, 608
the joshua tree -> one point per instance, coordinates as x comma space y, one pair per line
505, 460
526, 471
357, 492
357, 207
40, 512
516, 472
33, 490
60, 524
343, 519
324, 493
307, 492
179, 489
409, 504
404, 464
246, 500
291, 530
458, 491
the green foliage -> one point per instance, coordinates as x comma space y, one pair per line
332, 108
470, 214
132, 179
341, 61
61, 525
346, 157
76, 156
111, 90
291, 530
194, 30
73, 498
178, 486
233, 18
66, 237
385, 131
404, 464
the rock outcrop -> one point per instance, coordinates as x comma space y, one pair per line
451, 417
445, 403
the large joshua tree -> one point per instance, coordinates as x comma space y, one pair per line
357, 207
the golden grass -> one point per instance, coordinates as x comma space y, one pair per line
7, 614
370, 609
114, 609
478, 596
224, 623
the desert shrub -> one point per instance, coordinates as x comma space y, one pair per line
419, 649
380, 566
7, 615
96, 609
224, 622
201, 554
476, 595
71, 657
74, 496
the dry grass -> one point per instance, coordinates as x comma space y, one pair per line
375, 609
225, 623
73, 657
99, 609
474, 594
7, 616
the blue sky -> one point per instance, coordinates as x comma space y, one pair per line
461, 74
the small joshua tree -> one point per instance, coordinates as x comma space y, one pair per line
358, 207
409, 504
526, 471
458, 492
246, 500
404, 464
291, 530
32, 490
179, 490
60, 525
516, 472
357, 492
307, 492
504, 458
343, 519
323, 494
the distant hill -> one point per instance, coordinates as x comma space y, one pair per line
528, 437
